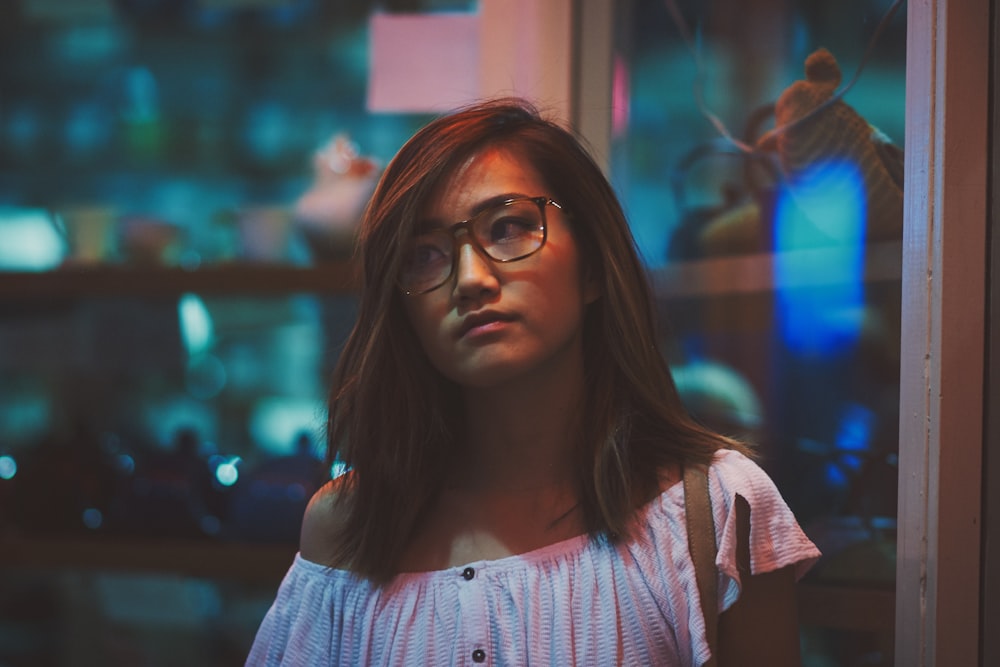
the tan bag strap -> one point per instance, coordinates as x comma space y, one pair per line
701, 542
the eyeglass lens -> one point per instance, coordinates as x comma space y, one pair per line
505, 233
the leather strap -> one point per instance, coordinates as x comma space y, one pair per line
701, 543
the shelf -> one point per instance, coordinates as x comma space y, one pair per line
749, 274
745, 274
262, 563
145, 281
846, 607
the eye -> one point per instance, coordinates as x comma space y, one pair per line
511, 227
426, 252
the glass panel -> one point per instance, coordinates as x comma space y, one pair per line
159, 429
187, 133
156, 449
189, 417
775, 249
55, 619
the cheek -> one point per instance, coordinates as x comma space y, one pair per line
558, 303
425, 323
566, 286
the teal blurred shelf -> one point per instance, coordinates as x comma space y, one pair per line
755, 273
745, 274
250, 562
844, 606
147, 281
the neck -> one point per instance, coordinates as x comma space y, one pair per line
523, 436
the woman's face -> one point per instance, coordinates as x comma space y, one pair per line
494, 322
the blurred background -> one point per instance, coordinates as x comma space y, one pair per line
180, 182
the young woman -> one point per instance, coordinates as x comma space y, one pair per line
514, 438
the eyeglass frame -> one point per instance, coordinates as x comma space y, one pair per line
541, 202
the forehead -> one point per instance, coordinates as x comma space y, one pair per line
483, 176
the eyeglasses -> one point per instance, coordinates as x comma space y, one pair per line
511, 230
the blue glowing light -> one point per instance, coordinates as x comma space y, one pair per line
29, 241
852, 462
8, 467
210, 525
92, 518
125, 464
836, 478
855, 429
277, 421
337, 469
819, 230
227, 472
195, 324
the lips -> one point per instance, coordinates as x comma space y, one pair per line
482, 321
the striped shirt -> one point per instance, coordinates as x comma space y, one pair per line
582, 601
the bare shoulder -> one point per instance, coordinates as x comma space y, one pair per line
324, 516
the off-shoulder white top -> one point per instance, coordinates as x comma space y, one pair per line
582, 601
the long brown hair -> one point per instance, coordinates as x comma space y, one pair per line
394, 420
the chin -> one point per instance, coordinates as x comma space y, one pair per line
487, 374
485, 378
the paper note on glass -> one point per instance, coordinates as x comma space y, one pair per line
422, 63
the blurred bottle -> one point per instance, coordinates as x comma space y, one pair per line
329, 212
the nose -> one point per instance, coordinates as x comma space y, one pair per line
475, 274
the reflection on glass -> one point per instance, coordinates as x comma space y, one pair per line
193, 417
826, 211
756, 148
30, 240
188, 133
136, 430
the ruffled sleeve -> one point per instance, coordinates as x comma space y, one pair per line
776, 540
308, 617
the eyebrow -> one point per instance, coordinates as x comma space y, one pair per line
427, 224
